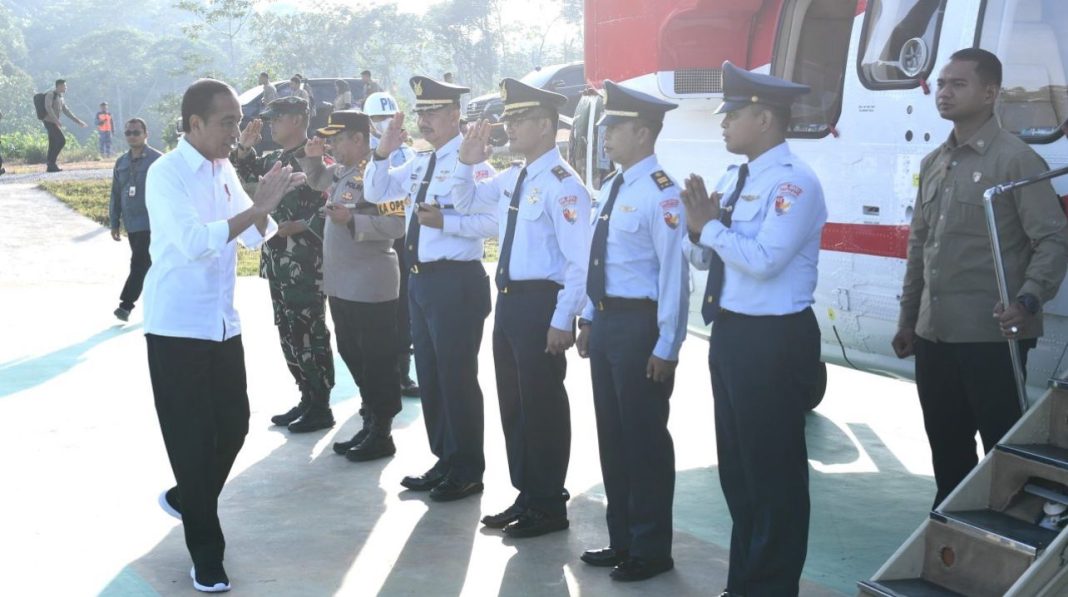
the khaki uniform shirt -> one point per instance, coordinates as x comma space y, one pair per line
55, 106
950, 288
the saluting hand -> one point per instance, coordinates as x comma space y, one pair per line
475, 149
316, 147
251, 134
558, 341
394, 136
701, 208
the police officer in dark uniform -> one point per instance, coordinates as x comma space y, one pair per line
292, 263
448, 289
758, 235
631, 330
543, 213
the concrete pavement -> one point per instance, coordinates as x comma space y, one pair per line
83, 463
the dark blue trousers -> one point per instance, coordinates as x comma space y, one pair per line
535, 413
448, 307
637, 454
761, 370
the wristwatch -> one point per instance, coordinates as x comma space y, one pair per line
1029, 302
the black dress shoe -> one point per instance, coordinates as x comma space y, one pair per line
451, 489
534, 523
503, 519
313, 419
634, 569
342, 447
409, 389
604, 557
288, 417
424, 482
377, 444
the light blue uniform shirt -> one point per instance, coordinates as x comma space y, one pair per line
552, 230
643, 257
771, 251
462, 235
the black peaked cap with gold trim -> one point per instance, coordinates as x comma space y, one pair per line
341, 120
622, 104
518, 98
742, 88
431, 94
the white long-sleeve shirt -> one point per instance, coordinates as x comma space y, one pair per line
189, 290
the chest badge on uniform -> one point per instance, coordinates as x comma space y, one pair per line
750, 197
976, 177
346, 197
628, 208
782, 205
534, 196
671, 219
570, 215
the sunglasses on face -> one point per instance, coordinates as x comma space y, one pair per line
132, 133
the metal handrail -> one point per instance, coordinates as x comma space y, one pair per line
999, 267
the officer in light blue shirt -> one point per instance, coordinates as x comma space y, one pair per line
448, 289
758, 235
631, 331
543, 213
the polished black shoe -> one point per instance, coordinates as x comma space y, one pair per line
534, 523
377, 444
604, 557
635, 569
424, 482
450, 490
122, 314
313, 419
503, 519
169, 501
409, 389
343, 447
53, 169
210, 578
289, 416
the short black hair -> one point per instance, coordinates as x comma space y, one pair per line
60, 82
654, 126
552, 115
987, 65
198, 99
341, 84
140, 121
264, 74
782, 115
365, 72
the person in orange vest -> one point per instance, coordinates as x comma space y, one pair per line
104, 128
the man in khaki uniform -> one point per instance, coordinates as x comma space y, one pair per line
55, 107
951, 318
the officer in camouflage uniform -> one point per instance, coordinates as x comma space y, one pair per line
292, 263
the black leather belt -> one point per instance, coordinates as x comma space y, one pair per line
531, 286
427, 267
615, 303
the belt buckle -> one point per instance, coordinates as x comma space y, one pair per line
415, 268
600, 305
504, 290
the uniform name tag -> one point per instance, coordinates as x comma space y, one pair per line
132, 192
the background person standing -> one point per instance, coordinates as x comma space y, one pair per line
54, 107
104, 129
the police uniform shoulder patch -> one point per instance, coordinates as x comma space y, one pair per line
661, 179
560, 172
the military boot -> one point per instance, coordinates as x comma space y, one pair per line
292, 414
409, 389
377, 444
315, 417
368, 420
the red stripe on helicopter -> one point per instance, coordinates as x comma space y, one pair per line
866, 239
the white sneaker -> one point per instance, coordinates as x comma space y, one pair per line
221, 585
168, 507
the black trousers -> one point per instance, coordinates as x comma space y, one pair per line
449, 306
637, 454
140, 261
535, 413
202, 405
964, 388
404, 320
366, 335
56, 141
762, 369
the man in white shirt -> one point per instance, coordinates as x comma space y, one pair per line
195, 357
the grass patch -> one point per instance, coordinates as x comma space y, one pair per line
91, 199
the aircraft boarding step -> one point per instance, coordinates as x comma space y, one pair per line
1000, 532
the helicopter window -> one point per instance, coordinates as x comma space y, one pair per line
899, 42
1028, 37
812, 48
